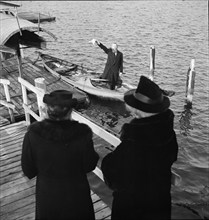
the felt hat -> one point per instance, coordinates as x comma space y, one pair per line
62, 98
147, 97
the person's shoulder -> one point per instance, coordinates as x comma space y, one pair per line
34, 126
120, 52
84, 127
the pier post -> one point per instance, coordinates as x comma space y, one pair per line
190, 82
19, 60
1, 65
152, 63
40, 84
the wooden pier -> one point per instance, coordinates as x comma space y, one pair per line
17, 192
29, 72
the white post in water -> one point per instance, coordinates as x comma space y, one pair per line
190, 82
152, 63
40, 84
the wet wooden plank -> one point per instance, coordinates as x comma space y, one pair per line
17, 205
18, 196
17, 188
19, 213
30, 216
10, 177
103, 213
99, 205
8, 161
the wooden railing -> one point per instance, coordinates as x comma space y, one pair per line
7, 103
25, 85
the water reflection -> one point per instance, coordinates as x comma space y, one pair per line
185, 119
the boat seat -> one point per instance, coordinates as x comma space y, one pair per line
65, 70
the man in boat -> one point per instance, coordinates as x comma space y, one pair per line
139, 169
60, 153
114, 65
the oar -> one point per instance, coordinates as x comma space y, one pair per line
100, 80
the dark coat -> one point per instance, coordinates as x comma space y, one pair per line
139, 170
113, 66
60, 153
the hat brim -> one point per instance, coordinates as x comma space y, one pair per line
54, 101
135, 103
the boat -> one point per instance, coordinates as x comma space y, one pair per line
82, 78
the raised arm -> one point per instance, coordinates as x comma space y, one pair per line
103, 47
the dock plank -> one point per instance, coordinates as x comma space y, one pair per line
17, 205
17, 196
8, 161
103, 213
30, 216
19, 213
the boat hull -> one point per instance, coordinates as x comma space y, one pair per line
84, 82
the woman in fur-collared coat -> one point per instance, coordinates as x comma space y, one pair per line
59, 152
139, 170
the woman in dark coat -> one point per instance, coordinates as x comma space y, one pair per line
59, 152
139, 170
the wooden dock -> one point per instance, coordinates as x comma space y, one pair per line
17, 199
17, 193
29, 73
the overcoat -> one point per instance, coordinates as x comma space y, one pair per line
113, 66
59, 154
139, 170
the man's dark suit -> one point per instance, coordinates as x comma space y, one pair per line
113, 66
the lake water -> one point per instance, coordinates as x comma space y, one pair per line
179, 32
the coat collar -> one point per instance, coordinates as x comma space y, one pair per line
59, 130
153, 130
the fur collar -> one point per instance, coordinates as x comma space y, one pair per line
154, 130
60, 130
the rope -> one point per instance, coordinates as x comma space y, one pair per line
36, 59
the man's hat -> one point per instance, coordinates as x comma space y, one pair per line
62, 98
147, 97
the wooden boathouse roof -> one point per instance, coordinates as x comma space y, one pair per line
10, 26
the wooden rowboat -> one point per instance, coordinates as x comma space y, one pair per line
82, 78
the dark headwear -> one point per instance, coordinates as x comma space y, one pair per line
147, 97
61, 98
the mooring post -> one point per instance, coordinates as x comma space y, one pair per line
19, 60
40, 84
152, 63
190, 82
1, 64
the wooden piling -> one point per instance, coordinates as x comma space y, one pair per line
19, 60
40, 84
190, 82
152, 62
